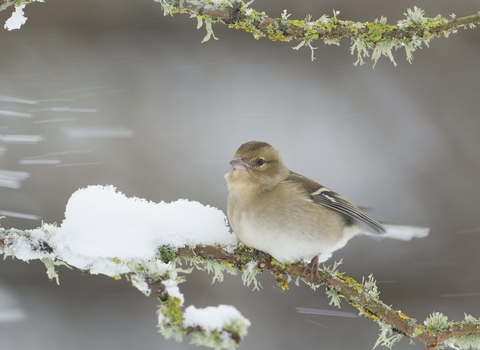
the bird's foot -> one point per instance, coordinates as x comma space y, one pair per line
313, 267
259, 255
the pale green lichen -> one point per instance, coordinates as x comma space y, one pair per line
212, 266
297, 281
309, 44
358, 45
249, 275
217, 268
371, 287
332, 270
436, 322
50, 265
464, 342
208, 27
471, 321
285, 15
387, 337
334, 297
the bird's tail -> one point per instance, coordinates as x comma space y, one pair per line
402, 232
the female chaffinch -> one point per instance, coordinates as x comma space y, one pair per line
291, 217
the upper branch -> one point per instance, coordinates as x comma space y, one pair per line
378, 36
236, 14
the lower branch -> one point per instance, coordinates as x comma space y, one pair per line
161, 276
363, 296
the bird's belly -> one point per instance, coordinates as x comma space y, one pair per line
285, 241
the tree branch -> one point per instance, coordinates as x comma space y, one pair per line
436, 331
377, 38
364, 296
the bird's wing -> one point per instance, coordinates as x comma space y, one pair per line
326, 197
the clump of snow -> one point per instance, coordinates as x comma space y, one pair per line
103, 226
17, 19
213, 318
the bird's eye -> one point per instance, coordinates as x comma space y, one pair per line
260, 161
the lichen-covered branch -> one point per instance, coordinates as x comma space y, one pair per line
435, 333
161, 276
376, 38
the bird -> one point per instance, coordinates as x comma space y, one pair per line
291, 217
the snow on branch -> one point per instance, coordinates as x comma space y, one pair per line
104, 232
377, 38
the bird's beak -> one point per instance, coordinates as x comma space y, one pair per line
239, 164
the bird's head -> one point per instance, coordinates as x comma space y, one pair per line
259, 164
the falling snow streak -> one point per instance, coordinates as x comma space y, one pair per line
460, 295
59, 120
39, 161
15, 114
470, 230
13, 214
28, 139
12, 179
64, 109
79, 164
323, 312
61, 153
4, 98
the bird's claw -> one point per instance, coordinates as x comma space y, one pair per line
259, 255
313, 267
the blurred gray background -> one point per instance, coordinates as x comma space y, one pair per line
128, 97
